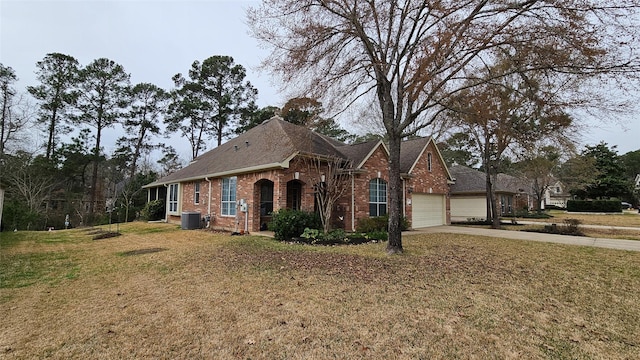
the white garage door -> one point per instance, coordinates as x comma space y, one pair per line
463, 208
428, 210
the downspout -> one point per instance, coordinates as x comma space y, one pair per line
404, 197
166, 204
353, 204
208, 202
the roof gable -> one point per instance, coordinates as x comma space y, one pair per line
360, 153
412, 150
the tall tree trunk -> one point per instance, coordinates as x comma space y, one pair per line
489, 199
4, 121
495, 220
136, 153
52, 125
220, 127
52, 129
395, 196
94, 173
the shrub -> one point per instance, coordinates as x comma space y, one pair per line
288, 224
533, 214
378, 235
380, 223
571, 227
153, 210
612, 206
16, 215
339, 237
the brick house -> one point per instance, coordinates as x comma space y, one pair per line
238, 184
469, 194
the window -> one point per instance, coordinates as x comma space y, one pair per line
229, 196
266, 198
377, 197
196, 193
173, 198
429, 161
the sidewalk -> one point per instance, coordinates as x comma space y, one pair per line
630, 245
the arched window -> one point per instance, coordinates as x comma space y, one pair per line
266, 197
377, 197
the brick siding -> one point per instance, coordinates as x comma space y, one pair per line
248, 188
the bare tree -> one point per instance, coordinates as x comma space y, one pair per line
17, 111
506, 114
330, 176
18, 114
409, 57
29, 179
540, 165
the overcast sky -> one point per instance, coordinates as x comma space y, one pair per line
154, 40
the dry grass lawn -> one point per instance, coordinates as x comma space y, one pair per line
159, 292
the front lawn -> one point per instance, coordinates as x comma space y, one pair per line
160, 292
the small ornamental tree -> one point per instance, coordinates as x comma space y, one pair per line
330, 176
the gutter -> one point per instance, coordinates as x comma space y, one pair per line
404, 197
353, 204
208, 201
282, 165
166, 204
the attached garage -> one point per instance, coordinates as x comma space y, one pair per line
428, 210
467, 207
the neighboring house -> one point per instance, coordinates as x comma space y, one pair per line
469, 194
556, 195
240, 183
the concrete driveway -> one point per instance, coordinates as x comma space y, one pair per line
630, 245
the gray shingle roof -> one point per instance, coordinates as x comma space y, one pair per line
468, 180
358, 153
272, 144
409, 152
269, 145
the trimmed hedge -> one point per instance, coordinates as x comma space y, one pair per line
605, 206
380, 223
